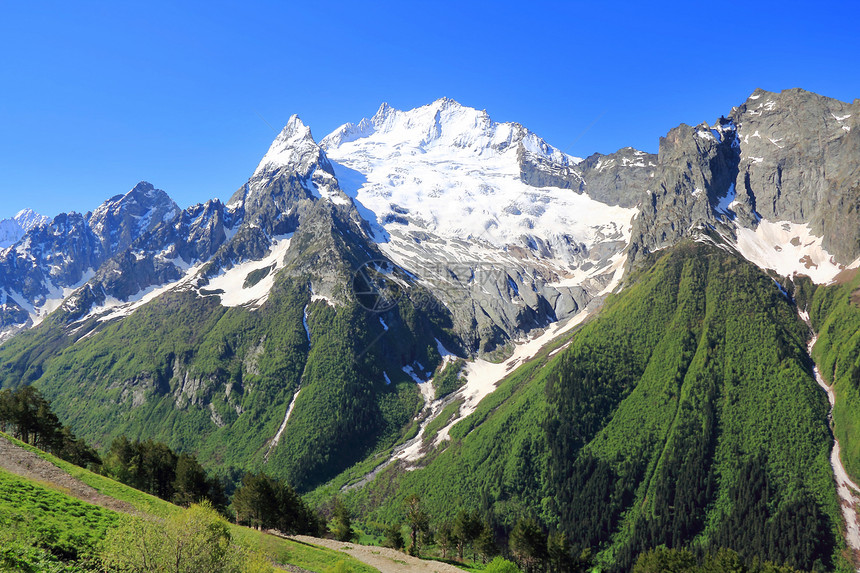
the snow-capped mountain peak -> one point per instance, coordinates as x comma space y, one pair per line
445, 124
294, 148
122, 218
27, 219
11, 230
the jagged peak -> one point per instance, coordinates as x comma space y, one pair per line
447, 124
384, 110
295, 130
758, 93
143, 193
294, 147
27, 219
142, 187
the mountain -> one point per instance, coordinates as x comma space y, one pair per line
233, 320
489, 215
684, 414
413, 303
777, 180
53, 259
11, 230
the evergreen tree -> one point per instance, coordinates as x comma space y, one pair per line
446, 538
485, 544
528, 544
254, 501
467, 528
393, 537
341, 521
418, 522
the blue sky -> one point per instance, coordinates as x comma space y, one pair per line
96, 97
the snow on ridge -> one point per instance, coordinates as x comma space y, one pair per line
444, 123
229, 285
114, 308
789, 249
292, 144
450, 171
13, 230
482, 377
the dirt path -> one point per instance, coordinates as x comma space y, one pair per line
385, 559
24, 463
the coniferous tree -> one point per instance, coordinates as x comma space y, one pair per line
446, 538
393, 537
418, 522
467, 528
341, 521
528, 544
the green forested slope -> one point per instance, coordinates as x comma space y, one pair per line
835, 315
218, 381
685, 414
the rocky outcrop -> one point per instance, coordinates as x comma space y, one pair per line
696, 172
791, 156
53, 259
621, 178
800, 162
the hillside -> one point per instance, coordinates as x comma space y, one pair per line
685, 415
54, 516
835, 314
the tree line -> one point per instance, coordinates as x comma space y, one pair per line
27, 416
153, 467
469, 534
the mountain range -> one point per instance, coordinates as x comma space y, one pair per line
380, 310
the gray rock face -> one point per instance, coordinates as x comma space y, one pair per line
622, 178
540, 171
791, 156
122, 219
800, 154
158, 257
696, 171
46, 259
50, 259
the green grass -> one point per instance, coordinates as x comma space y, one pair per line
216, 381
38, 512
144, 502
837, 352
44, 518
696, 370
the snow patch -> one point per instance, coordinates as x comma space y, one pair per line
278, 435
114, 308
845, 487
451, 171
482, 376
230, 284
789, 249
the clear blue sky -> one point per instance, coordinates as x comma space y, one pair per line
95, 97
